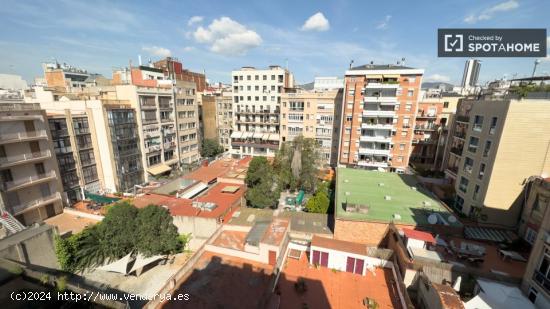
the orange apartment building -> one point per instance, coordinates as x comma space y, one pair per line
378, 116
426, 141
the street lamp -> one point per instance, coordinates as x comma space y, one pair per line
535, 67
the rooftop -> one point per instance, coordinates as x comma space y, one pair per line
327, 288
448, 296
380, 67
419, 235
71, 222
226, 168
385, 197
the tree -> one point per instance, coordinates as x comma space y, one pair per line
320, 202
155, 233
261, 182
118, 229
211, 148
282, 167
296, 164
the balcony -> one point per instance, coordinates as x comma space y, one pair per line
422, 114
382, 86
457, 151
24, 158
149, 120
381, 100
381, 152
22, 137
28, 181
460, 134
163, 120
20, 117
372, 163
453, 170
424, 141
152, 148
425, 127
379, 113
375, 138
463, 119
380, 126
169, 145
45, 200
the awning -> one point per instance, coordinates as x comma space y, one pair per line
236, 134
273, 137
247, 134
159, 169
391, 75
100, 198
142, 261
265, 137
118, 266
196, 189
373, 76
258, 135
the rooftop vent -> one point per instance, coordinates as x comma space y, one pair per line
251, 218
346, 180
360, 208
413, 188
348, 193
426, 203
380, 184
387, 197
396, 216
205, 206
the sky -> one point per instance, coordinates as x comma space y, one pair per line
313, 38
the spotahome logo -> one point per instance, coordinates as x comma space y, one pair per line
491, 42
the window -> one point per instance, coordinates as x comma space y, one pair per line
406, 122
542, 272
404, 133
493, 127
530, 236
476, 193
487, 148
256, 77
481, 171
401, 146
478, 123
410, 93
399, 159
248, 77
463, 186
408, 107
349, 118
468, 165
445, 104
472, 146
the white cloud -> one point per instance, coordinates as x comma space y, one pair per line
188, 48
384, 23
226, 36
194, 20
487, 14
157, 51
317, 22
438, 78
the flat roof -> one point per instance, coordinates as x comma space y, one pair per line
386, 195
66, 222
339, 245
227, 167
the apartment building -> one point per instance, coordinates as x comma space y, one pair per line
65, 76
113, 133
256, 109
535, 228
173, 69
378, 116
30, 188
76, 150
313, 114
496, 145
208, 113
224, 118
432, 120
152, 96
187, 121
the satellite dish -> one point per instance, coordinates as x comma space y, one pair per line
452, 219
432, 219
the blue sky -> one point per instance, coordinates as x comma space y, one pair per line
317, 38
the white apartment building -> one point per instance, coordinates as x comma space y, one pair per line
256, 110
30, 187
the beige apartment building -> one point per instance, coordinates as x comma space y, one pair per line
224, 118
256, 109
535, 228
497, 145
208, 117
187, 121
378, 116
30, 186
313, 114
96, 140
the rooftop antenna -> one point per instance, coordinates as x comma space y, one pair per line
403, 61
351, 63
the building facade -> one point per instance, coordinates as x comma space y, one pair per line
535, 228
256, 109
496, 146
224, 118
31, 189
173, 69
187, 119
378, 116
313, 114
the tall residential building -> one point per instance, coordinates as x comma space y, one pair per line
187, 120
435, 112
471, 74
208, 115
378, 116
313, 114
173, 69
496, 145
256, 109
224, 118
152, 96
30, 184
535, 228
113, 132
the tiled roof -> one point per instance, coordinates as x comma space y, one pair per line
415, 234
380, 67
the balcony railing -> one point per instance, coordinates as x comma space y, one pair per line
22, 136
542, 280
383, 113
18, 209
464, 119
149, 120
25, 181
460, 134
457, 151
382, 152
24, 157
375, 138
166, 119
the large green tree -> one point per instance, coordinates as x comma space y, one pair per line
210, 148
118, 229
320, 201
156, 234
263, 190
296, 164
